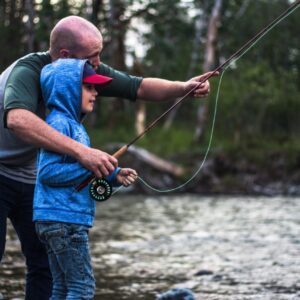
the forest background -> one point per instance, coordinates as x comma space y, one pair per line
255, 145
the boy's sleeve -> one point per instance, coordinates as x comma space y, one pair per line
112, 178
60, 170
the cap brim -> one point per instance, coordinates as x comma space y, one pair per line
96, 79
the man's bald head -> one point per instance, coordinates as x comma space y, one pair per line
73, 34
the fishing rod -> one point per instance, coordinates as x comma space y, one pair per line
100, 189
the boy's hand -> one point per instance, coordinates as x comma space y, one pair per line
127, 176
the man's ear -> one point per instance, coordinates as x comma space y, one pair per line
64, 53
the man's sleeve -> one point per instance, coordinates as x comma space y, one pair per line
22, 89
123, 85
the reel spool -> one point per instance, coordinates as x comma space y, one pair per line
100, 189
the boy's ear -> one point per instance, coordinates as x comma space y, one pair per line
64, 53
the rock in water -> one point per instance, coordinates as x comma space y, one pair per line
176, 294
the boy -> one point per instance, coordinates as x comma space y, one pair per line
62, 215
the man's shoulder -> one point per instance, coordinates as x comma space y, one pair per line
28, 68
35, 61
21, 86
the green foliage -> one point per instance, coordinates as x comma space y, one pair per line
169, 40
11, 31
259, 104
44, 26
163, 143
254, 101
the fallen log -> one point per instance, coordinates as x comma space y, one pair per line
151, 159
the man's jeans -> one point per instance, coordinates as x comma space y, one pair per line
69, 258
16, 204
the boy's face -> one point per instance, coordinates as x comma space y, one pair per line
89, 94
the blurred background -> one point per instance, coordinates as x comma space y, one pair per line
240, 240
257, 124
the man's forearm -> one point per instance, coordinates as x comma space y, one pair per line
155, 89
35, 131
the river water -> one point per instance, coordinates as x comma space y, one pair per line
229, 248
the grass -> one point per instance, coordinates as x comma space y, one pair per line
178, 142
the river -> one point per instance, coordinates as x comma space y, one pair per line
229, 248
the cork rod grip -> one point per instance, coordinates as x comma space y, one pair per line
117, 154
120, 152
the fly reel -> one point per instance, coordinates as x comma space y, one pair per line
100, 189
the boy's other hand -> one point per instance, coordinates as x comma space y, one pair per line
127, 176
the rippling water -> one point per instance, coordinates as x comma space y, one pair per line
220, 247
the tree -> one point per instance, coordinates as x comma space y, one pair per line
29, 24
208, 64
11, 31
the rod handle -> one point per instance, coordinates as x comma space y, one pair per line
84, 183
120, 152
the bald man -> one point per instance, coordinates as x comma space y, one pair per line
23, 131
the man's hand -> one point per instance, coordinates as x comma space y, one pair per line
100, 163
127, 176
203, 89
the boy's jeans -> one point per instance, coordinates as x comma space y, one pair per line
69, 259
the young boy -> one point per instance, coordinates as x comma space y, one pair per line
63, 216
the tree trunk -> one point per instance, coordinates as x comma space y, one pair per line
199, 26
212, 31
96, 6
92, 10
117, 51
29, 8
140, 119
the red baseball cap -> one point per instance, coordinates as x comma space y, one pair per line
90, 76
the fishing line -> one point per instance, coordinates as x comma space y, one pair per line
100, 189
215, 112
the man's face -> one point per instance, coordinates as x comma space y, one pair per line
91, 51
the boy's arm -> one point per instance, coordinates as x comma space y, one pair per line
61, 170
55, 170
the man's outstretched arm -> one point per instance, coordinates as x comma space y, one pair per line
155, 89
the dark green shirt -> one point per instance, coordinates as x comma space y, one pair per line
20, 88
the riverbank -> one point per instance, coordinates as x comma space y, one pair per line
260, 165
274, 174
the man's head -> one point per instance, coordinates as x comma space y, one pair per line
75, 37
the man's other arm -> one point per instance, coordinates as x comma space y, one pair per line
35, 131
